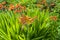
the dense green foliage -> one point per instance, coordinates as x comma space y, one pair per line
42, 28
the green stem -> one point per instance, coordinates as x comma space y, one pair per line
28, 32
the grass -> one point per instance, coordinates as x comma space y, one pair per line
10, 28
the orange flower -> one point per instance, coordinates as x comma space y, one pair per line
19, 10
1, 6
23, 7
53, 18
3, 3
23, 19
11, 7
26, 20
17, 5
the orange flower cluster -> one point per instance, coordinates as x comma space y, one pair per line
54, 18
2, 5
44, 5
26, 20
17, 9
11, 7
